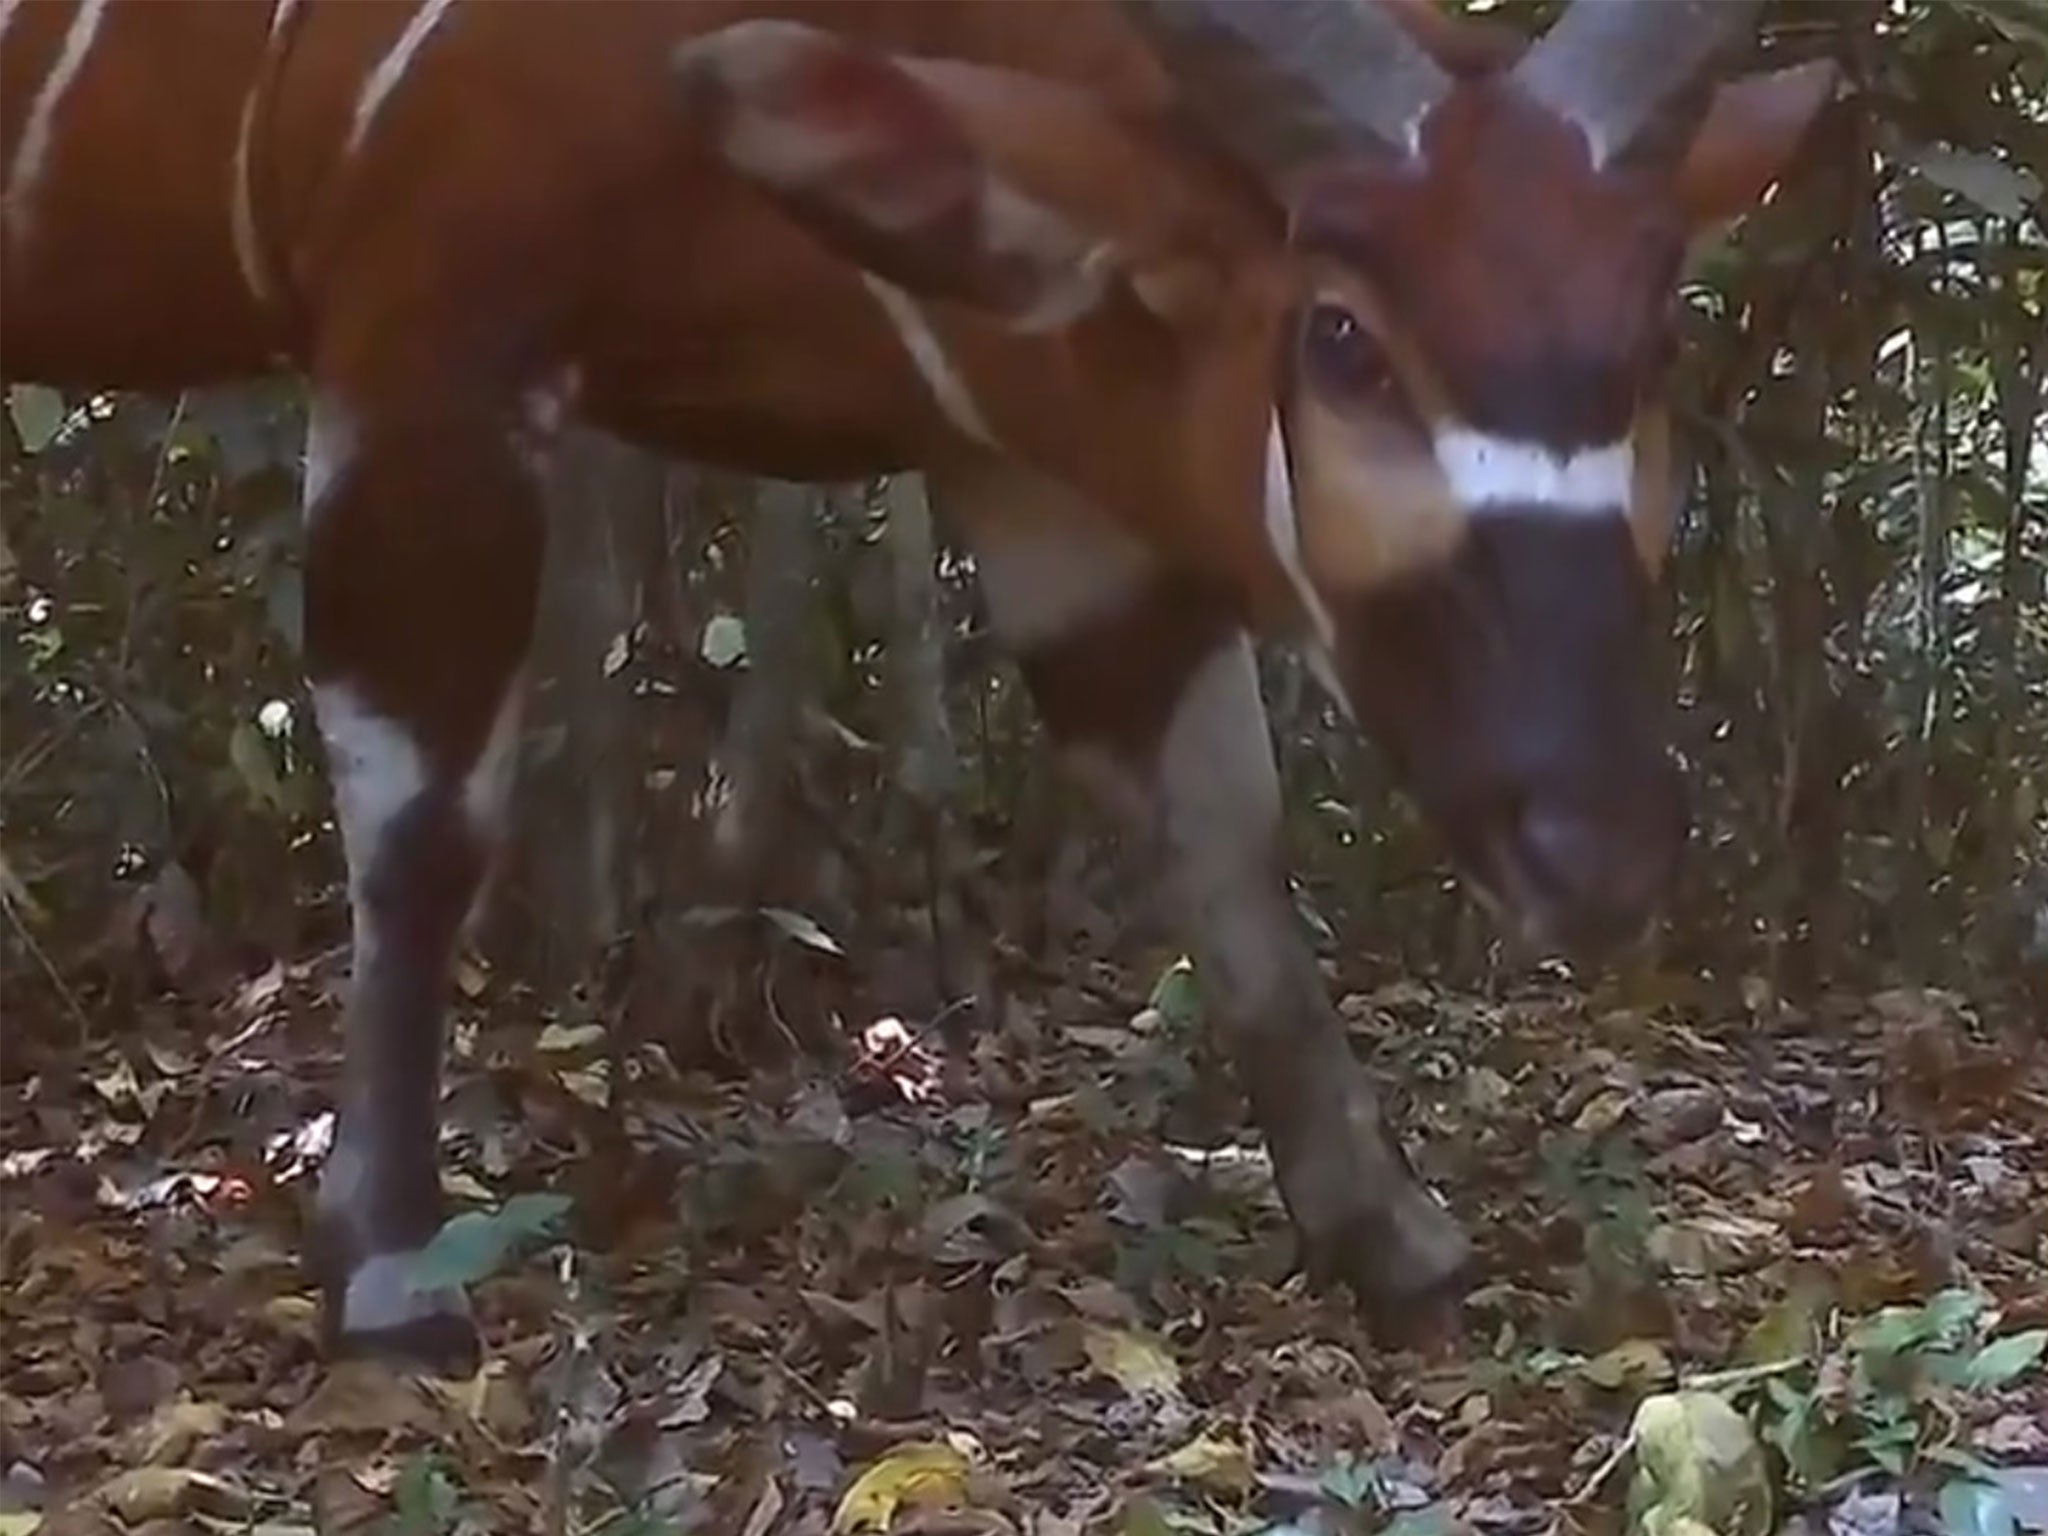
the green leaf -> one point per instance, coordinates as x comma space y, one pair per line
1950, 1312
1176, 995
1983, 179
1430, 1520
1353, 1483
2002, 1360
725, 640
39, 415
477, 1243
1972, 1508
250, 755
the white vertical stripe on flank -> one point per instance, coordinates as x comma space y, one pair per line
242, 209
34, 149
928, 355
392, 67
1485, 470
7, 10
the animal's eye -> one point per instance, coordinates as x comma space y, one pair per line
1342, 357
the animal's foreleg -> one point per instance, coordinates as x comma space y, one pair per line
1149, 687
424, 549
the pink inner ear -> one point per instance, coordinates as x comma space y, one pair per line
811, 116
874, 162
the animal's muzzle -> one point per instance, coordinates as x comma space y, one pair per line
1583, 874
1513, 684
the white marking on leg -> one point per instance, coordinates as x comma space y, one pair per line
331, 440
377, 770
242, 209
381, 1295
33, 153
1485, 470
1283, 534
928, 356
391, 70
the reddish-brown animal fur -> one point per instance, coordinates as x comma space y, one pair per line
1398, 402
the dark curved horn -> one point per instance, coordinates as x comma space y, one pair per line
1284, 81
1618, 68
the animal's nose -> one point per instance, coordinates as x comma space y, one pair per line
1596, 873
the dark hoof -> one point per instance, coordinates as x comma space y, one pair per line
1409, 1272
433, 1335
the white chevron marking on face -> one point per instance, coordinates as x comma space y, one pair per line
1485, 471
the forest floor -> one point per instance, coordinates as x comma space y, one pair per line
982, 1283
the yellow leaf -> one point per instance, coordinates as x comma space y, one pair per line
919, 1473
298, 1316
569, 1037
1138, 1364
1698, 1467
1638, 1361
1603, 1112
160, 1493
1211, 1462
20, 1523
177, 1426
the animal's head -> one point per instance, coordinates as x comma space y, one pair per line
1417, 353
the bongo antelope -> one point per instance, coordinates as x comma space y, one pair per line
1204, 319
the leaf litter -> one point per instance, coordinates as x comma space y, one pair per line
1739, 1277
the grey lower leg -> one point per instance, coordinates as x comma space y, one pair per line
423, 558
1150, 684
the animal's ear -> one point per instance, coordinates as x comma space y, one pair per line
1747, 138
877, 162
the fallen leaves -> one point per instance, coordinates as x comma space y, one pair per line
1651, 1211
1699, 1469
1215, 1463
1135, 1362
923, 1475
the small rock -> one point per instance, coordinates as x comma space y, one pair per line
1673, 1115
1867, 1512
2013, 1434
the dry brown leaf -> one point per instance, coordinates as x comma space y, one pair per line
1632, 1362
1603, 1112
364, 1397
176, 1427
298, 1316
493, 1400
160, 1493
1134, 1361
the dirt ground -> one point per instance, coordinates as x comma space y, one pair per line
1032, 1278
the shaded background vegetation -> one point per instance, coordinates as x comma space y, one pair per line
731, 675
